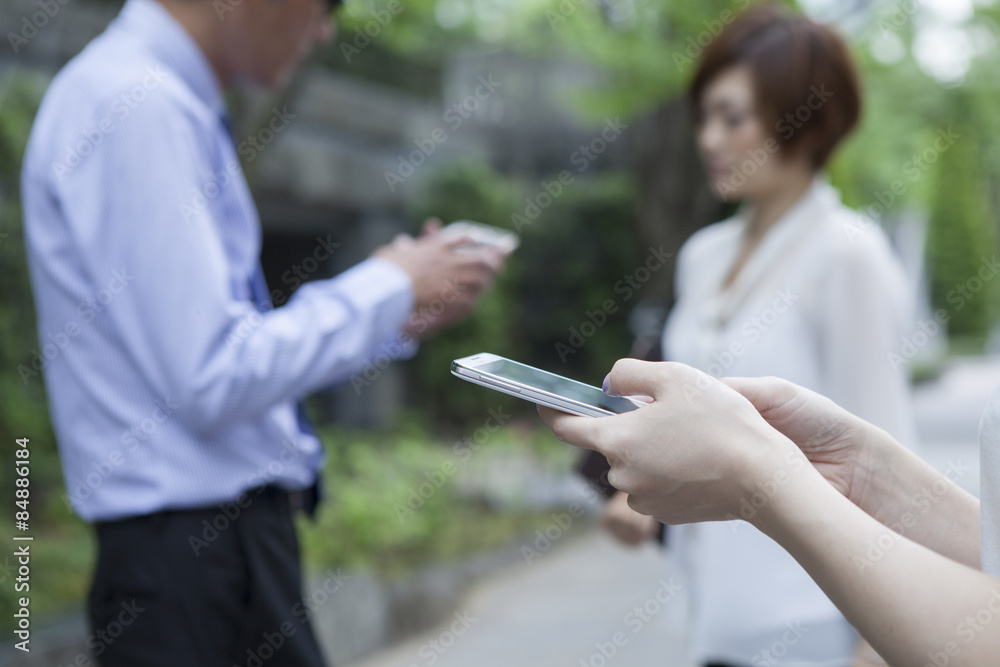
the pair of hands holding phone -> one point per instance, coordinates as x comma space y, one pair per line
839, 494
710, 450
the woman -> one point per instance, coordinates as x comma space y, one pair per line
789, 286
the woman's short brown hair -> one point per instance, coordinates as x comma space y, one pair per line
805, 81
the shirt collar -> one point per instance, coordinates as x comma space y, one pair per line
152, 24
779, 246
819, 196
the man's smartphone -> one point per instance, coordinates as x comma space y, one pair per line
538, 386
483, 235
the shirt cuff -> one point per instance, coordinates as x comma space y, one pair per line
379, 283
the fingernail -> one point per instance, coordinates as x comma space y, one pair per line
604, 386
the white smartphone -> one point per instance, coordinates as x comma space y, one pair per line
538, 386
483, 234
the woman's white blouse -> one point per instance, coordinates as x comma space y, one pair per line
823, 302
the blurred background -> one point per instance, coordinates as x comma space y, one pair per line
456, 531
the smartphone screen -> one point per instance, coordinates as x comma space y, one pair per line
552, 383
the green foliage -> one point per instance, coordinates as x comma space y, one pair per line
962, 233
645, 48
396, 503
900, 103
22, 397
62, 549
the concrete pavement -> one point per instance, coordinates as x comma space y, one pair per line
584, 603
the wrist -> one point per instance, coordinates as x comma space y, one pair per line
783, 489
875, 457
770, 477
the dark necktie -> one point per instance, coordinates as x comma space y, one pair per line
309, 498
262, 299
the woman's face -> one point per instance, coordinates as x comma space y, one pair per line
742, 155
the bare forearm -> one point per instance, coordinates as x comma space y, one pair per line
903, 492
909, 602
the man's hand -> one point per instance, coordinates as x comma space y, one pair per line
445, 283
843, 448
696, 453
625, 524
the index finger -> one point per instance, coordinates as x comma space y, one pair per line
578, 431
632, 377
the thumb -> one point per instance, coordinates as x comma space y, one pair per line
455, 241
631, 377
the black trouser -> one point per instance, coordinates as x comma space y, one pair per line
199, 588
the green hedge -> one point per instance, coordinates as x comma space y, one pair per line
961, 241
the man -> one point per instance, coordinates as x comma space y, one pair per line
174, 386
